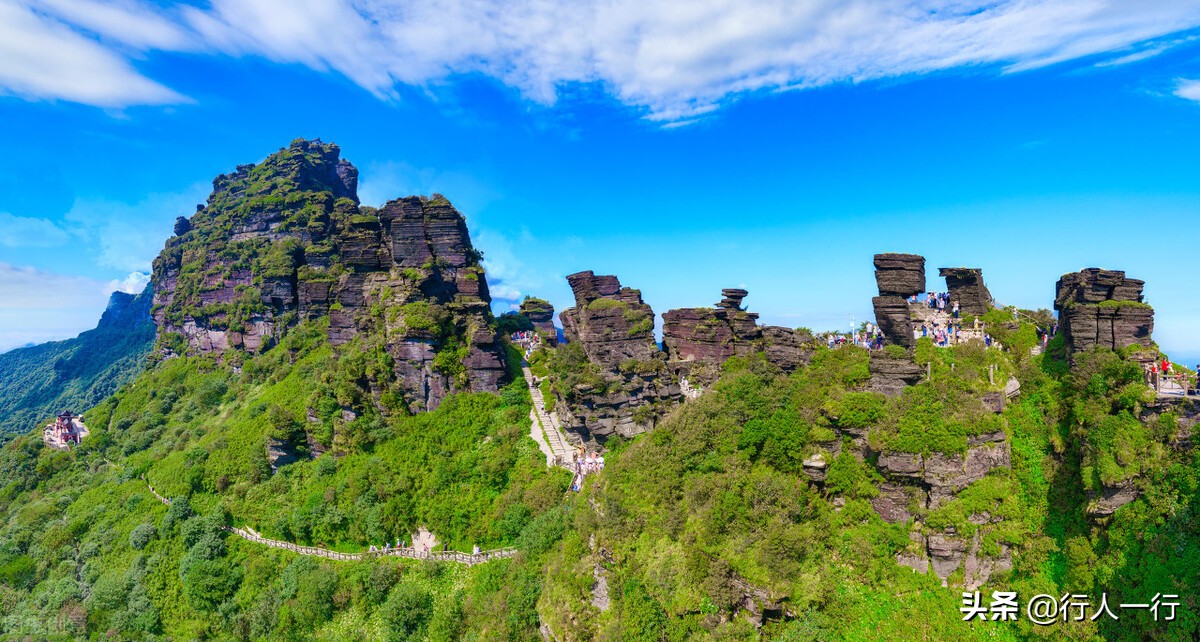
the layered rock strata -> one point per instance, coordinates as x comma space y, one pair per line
698, 340
711, 334
541, 314
898, 277
287, 240
891, 375
916, 482
632, 386
1102, 308
965, 286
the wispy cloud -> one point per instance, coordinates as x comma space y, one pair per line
46, 58
43, 306
23, 231
1189, 89
675, 61
509, 278
129, 235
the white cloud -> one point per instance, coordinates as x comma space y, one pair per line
132, 284
44, 58
129, 235
1189, 89
508, 277
22, 231
674, 60
679, 60
44, 306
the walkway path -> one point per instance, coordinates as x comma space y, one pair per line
470, 559
546, 430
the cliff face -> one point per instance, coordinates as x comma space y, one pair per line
709, 336
287, 239
615, 330
1102, 308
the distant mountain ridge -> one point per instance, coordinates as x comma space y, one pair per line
76, 374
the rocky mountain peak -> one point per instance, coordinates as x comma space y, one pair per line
286, 240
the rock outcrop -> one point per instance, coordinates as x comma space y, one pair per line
898, 276
965, 286
541, 314
611, 322
628, 385
287, 240
711, 334
708, 336
901, 275
1102, 308
891, 375
920, 482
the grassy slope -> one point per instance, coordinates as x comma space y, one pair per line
716, 494
74, 556
74, 374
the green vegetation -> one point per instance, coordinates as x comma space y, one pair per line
40, 381
712, 508
715, 500
90, 551
606, 304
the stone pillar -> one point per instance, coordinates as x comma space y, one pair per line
898, 277
965, 286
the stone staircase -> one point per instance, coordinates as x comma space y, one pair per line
551, 439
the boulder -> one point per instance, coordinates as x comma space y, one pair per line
894, 321
965, 286
900, 275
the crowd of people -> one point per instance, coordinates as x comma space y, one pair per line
529, 339
1164, 372
586, 463
869, 337
938, 301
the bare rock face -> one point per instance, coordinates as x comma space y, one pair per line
1110, 498
915, 481
286, 241
894, 321
891, 375
965, 286
787, 348
1103, 308
615, 330
541, 314
901, 275
711, 335
611, 322
898, 276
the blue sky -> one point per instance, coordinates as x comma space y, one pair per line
685, 147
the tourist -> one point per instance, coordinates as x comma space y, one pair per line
956, 309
